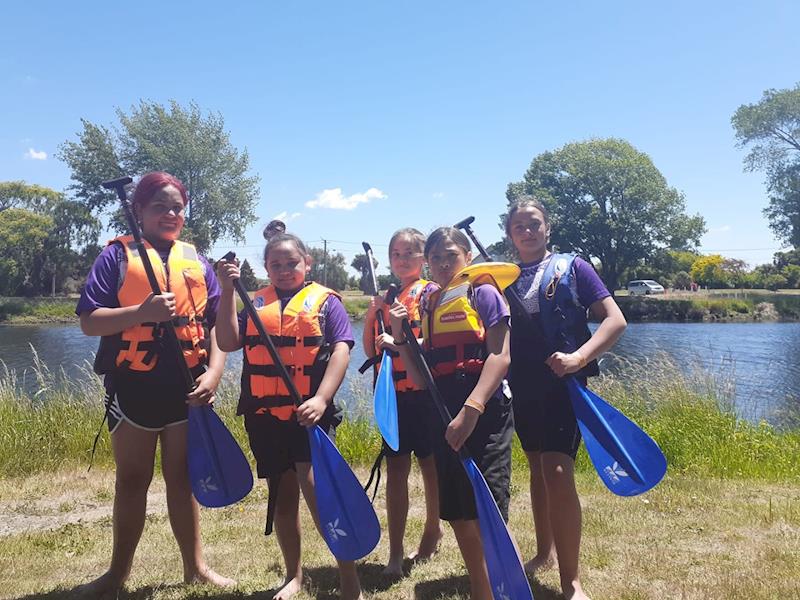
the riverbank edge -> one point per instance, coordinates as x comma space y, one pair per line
638, 309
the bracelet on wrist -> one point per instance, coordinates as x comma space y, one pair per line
581, 358
475, 405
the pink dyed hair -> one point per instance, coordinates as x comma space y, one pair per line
151, 183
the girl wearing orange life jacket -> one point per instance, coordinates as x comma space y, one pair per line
465, 333
312, 334
146, 399
414, 406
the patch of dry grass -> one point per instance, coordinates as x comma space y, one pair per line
689, 538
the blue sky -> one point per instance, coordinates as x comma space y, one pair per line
423, 110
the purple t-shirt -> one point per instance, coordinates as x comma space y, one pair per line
102, 283
334, 321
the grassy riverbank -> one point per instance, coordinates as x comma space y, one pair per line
721, 305
725, 523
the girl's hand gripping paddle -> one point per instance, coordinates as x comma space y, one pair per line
218, 469
506, 573
349, 524
628, 461
385, 396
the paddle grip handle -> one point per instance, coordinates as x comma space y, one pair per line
118, 185
264, 336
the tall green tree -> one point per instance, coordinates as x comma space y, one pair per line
608, 201
23, 234
361, 264
248, 277
771, 129
328, 269
180, 140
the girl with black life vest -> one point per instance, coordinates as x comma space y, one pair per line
552, 342
415, 412
466, 341
146, 397
313, 336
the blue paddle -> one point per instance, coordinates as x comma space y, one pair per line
214, 457
385, 396
219, 472
627, 459
349, 524
503, 563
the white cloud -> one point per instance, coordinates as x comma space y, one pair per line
334, 198
438, 195
720, 229
36, 154
286, 217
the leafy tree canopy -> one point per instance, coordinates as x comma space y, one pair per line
180, 140
608, 201
770, 128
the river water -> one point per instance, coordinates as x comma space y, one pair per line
755, 364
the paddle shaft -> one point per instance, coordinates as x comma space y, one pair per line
119, 186
265, 337
422, 367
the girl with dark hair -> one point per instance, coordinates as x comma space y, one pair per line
465, 336
406, 259
313, 337
146, 399
552, 341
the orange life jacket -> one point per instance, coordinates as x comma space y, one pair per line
136, 348
409, 297
453, 333
297, 334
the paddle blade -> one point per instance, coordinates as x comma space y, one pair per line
349, 524
628, 461
385, 401
506, 573
218, 470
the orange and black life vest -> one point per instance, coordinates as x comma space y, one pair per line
454, 336
137, 349
297, 334
409, 297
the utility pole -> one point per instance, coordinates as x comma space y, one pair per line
325, 262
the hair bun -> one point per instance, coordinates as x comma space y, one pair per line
273, 228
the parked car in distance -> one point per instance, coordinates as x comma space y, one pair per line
644, 287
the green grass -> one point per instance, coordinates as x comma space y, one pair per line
37, 310
730, 305
688, 416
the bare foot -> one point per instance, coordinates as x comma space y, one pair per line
209, 577
394, 568
289, 589
428, 545
574, 592
105, 587
540, 563
348, 582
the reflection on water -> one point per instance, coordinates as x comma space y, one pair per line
757, 362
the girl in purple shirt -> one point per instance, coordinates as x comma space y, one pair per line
543, 413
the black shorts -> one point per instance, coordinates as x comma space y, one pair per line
489, 446
415, 414
277, 445
543, 415
145, 402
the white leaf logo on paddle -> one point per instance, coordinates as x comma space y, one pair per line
500, 592
208, 485
334, 532
614, 472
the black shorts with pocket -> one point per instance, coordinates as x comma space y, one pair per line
489, 446
277, 445
415, 414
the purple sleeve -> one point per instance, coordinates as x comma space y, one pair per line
214, 292
100, 290
590, 287
490, 304
337, 323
